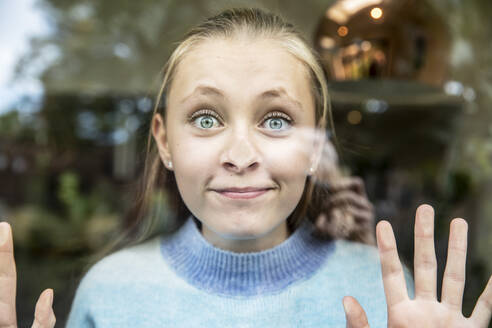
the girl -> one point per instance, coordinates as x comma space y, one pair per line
237, 149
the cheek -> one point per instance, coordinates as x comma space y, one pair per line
287, 163
289, 158
195, 159
187, 148
194, 152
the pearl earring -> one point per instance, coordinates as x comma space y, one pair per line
170, 164
311, 170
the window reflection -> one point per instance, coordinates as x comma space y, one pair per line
384, 39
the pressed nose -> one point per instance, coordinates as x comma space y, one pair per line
240, 154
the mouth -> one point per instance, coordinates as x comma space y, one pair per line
242, 193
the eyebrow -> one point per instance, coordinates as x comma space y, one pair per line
204, 90
280, 93
271, 94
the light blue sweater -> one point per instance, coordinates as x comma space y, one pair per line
183, 281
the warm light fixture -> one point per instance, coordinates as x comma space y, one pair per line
342, 31
342, 10
354, 117
376, 13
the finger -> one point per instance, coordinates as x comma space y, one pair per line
483, 309
354, 313
425, 264
454, 274
393, 277
351, 198
44, 317
349, 183
8, 278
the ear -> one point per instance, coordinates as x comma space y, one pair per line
160, 136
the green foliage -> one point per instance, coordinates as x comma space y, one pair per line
77, 206
14, 126
85, 224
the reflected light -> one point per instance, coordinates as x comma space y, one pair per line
354, 117
376, 106
342, 31
326, 42
469, 94
351, 50
453, 88
342, 10
376, 13
366, 45
122, 50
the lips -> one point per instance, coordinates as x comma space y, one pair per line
242, 193
241, 190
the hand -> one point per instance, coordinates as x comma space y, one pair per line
424, 310
44, 317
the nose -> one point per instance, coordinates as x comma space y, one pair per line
240, 154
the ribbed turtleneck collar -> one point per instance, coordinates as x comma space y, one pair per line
227, 273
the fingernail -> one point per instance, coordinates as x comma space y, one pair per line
4, 232
346, 305
427, 209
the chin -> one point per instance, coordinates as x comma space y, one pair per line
242, 231
242, 227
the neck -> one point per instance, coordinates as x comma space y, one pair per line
244, 274
247, 245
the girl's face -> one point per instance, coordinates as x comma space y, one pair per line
235, 132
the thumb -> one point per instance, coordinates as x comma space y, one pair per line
355, 314
44, 317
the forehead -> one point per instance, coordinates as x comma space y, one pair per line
242, 67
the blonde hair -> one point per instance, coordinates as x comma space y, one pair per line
158, 194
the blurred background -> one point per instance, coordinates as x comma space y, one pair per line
411, 86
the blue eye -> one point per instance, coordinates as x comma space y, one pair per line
277, 121
206, 121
